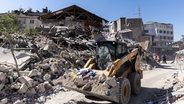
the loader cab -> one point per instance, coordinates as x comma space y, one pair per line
109, 51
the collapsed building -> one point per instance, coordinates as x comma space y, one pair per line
73, 17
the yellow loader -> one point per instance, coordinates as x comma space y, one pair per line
120, 66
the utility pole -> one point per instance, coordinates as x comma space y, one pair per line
139, 10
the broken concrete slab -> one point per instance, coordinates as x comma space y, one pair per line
87, 86
23, 88
47, 85
41, 87
111, 82
26, 80
16, 86
7, 58
42, 99
19, 102
4, 101
79, 82
31, 91
34, 72
2, 76
24, 73
102, 78
2, 85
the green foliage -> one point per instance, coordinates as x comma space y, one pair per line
30, 32
9, 24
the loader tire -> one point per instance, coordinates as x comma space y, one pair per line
124, 91
135, 82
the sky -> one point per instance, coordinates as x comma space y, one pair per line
164, 11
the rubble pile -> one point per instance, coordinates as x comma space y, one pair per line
171, 93
148, 63
41, 61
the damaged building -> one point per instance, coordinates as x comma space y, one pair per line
133, 25
162, 36
72, 17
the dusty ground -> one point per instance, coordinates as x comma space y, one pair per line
152, 82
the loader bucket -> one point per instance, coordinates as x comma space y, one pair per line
97, 89
87, 93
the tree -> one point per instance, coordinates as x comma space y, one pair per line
30, 32
10, 25
29, 10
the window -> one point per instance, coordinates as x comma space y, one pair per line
171, 32
21, 21
31, 21
171, 38
160, 31
146, 31
121, 50
164, 37
164, 32
160, 37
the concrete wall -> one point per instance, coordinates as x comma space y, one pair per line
135, 24
120, 24
28, 21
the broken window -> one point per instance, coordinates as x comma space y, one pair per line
31, 21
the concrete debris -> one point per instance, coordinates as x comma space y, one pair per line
33, 73
172, 92
111, 82
102, 78
41, 88
4, 101
42, 99
15, 86
1, 86
26, 80
47, 77
23, 88
31, 91
2, 76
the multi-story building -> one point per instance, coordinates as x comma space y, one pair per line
162, 36
28, 20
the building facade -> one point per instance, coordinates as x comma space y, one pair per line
162, 36
133, 24
28, 21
